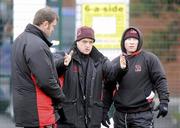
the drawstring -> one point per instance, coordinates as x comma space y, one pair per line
125, 120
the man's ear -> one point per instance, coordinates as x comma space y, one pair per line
46, 24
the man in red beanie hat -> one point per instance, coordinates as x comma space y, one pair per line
133, 98
86, 69
85, 32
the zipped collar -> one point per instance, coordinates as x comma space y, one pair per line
36, 31
95, 54
134, 53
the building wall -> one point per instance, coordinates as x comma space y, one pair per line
160, 28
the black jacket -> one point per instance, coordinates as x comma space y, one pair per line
84, 107
145, 74
34, 79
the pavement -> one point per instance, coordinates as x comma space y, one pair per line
6, 121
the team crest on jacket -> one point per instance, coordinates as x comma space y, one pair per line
137, 68
75, 68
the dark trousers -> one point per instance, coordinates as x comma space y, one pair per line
133, 120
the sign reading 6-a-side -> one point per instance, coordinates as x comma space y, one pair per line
107, 18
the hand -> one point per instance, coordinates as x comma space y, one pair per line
122, 62
150, 97
67, 58
163, 109
106, 121
62, 115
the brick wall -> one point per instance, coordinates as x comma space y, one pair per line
173, 73
148, 24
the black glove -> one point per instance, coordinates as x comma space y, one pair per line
163, 109
58, 107
62, 115
105, 120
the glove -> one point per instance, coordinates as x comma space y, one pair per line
58, 107
163, 109
62, 115
106, 121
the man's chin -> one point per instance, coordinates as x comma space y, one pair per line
86, 53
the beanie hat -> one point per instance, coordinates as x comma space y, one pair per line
85, 32
131, 33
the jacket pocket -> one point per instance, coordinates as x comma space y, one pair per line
97, 113
70, 111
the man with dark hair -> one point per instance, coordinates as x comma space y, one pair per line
45, 14
133, 94
36, 88
83, 81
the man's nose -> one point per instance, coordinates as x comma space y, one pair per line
88, 43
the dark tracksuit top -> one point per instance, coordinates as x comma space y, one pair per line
83, 105
145, 74
34, 79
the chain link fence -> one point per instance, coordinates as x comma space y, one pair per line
159, 22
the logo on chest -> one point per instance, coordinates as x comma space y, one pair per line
138, 68
75, 68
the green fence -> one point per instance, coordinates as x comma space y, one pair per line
5, 53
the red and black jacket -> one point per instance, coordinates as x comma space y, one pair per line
36, 88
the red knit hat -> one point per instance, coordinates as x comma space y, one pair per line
85, 32
131, 33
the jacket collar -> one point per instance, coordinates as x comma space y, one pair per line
134, 53
36, 31
95, 55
